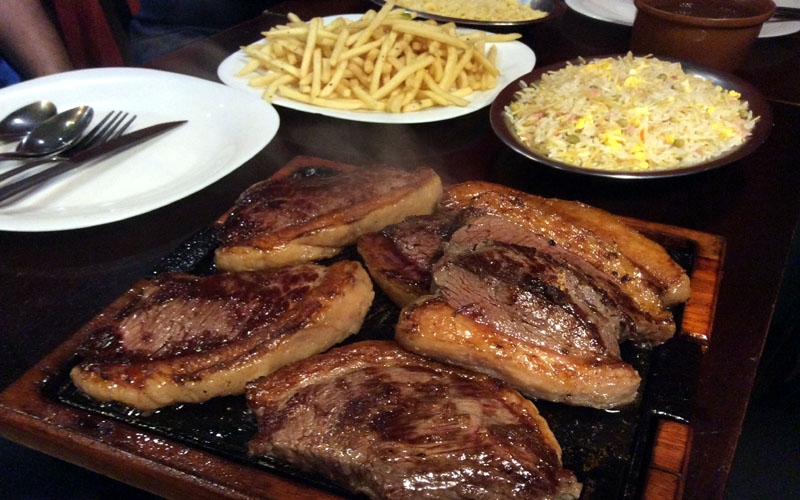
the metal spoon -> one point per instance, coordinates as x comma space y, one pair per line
18, 123
53, 135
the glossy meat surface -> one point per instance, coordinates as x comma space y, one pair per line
526, 222
400, 257
647, 320
672, 280
527, 318
182, 338
312, 208
383, 422
531, 296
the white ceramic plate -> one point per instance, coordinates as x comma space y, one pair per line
623, 12
514, 59
226, 127
611, 11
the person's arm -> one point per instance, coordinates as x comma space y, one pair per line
29, 41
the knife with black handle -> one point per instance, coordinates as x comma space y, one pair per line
108, 148
785, 13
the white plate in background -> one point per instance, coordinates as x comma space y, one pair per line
623, 12
226, 127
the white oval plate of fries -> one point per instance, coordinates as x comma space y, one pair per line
513, 59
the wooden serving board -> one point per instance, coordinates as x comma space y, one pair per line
136, 451
669, 457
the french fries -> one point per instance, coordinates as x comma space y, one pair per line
385, 61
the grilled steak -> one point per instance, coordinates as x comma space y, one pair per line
536, 292
521, 315
182, 338
400, 257
312, 208
651, 321
527, 224
383, 422
672, 281
532, 296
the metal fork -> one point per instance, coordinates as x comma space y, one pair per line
112, 125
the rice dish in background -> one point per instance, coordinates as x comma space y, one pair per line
629, 114
476, 10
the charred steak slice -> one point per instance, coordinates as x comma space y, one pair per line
531, 296
649, 324
312, 208
380, 421
400, 257
671, 278
524, 317
182, 338
522, 222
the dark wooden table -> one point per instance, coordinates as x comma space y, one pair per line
54, 282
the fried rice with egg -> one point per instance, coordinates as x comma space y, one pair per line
629, 114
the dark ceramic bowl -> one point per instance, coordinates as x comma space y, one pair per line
757, 103
715, 33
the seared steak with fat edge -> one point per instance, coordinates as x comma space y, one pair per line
312, 208
182, 338
383, 422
